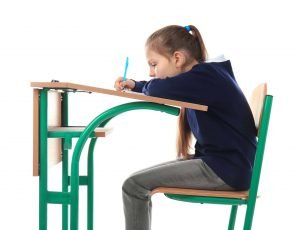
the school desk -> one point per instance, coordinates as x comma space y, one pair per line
52, 140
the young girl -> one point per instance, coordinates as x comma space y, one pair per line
225, 134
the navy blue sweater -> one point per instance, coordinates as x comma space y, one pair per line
226, 134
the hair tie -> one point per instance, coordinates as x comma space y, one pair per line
187, 28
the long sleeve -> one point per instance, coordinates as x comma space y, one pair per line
193, 86
138, 86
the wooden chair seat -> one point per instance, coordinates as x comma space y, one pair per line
243, 195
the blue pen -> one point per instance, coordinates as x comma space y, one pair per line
125, 71
126, 67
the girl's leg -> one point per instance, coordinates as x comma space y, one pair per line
154, 166
192, 173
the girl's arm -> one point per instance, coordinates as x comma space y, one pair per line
129, 84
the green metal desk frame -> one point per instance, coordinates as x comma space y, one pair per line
69, 195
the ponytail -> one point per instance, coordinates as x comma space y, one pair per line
203, 52
184, 134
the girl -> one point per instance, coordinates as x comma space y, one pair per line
225, 134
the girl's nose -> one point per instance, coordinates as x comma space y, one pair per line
152, 73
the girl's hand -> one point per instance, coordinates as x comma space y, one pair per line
124, 85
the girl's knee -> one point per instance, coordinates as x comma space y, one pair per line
131, 187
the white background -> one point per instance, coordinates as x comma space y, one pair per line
87, 42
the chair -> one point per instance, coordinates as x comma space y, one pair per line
260, 104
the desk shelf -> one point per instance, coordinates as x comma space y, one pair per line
67, 133
75, 131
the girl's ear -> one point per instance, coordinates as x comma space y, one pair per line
179, 59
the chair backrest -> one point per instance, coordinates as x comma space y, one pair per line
256, 103
261, 105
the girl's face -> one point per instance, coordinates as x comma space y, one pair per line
161, 66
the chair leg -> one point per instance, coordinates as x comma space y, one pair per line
232, 217
249, 215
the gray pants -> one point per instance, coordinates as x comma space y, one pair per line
194, 174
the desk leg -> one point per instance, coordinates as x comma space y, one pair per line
65, 186
65, 161
43, 160
90, 185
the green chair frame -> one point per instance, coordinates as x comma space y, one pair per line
234, 198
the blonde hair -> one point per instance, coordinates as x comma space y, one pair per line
166, 41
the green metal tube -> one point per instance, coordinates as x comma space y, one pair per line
206, 200
258, 161
65, 160
90, 185
43, 159
103, 117
232, 217
58, 198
